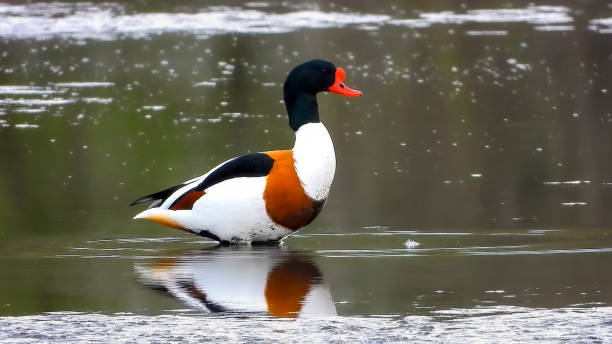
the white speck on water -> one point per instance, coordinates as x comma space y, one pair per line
521, 66
36, 102
31, 110
26, 126
439, 291
240, 115
257, 4
573, 204
28, 90
539, 15
498, 291
539, 149
487, 33
569, 182
575, 115
85, 84
223, 103
601, 25
97, 100
154, 107
411, 243
555, 28
358, 132
205, 83
476, 175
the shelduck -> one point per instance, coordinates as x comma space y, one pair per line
262, 197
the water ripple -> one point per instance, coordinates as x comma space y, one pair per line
530, 14
497, 324
602, 25
108, 21
22, 90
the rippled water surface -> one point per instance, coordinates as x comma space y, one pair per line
472, 196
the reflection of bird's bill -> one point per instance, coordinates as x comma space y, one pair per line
282, 284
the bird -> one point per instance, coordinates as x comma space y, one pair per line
265, 196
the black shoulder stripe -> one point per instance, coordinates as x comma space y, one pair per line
250, 165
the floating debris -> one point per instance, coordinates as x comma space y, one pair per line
411, 243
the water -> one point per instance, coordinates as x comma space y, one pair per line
470, 201
454, 326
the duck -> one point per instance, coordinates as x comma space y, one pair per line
262, 197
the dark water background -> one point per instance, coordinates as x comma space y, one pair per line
484, 135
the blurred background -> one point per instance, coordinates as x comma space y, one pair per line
476, 117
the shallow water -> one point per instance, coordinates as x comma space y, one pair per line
486, 325
471, 200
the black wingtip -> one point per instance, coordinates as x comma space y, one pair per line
161, 195
141, 200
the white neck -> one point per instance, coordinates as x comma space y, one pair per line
315, 160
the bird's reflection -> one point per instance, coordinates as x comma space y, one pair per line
245, 279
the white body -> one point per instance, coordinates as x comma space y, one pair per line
234, 210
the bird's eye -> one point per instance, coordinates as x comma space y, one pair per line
323, 70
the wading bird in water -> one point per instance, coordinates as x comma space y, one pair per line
262, 197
